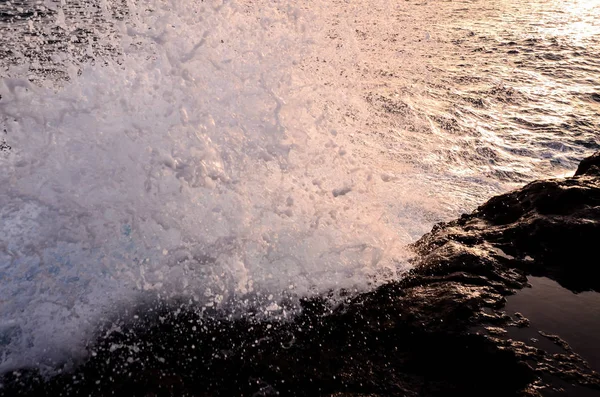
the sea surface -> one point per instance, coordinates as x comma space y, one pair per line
244, 154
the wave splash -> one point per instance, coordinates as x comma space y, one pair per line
197, 163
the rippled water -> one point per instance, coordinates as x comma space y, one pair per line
525, 76
248, 153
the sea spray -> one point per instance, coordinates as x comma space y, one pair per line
191, 165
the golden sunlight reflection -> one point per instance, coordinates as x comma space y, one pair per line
581, 19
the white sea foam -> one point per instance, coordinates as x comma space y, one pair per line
198, 163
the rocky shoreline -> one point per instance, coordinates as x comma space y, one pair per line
439, 331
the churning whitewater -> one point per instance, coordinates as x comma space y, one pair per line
226, 153
199, 162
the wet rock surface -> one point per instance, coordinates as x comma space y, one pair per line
439, 331
548, 228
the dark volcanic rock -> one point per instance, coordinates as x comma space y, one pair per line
548, 228
396, 341
439, 331
587, 165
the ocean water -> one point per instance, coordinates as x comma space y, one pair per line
245, 154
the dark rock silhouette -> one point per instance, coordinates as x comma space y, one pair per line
585, 167
548, 228
439, 331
